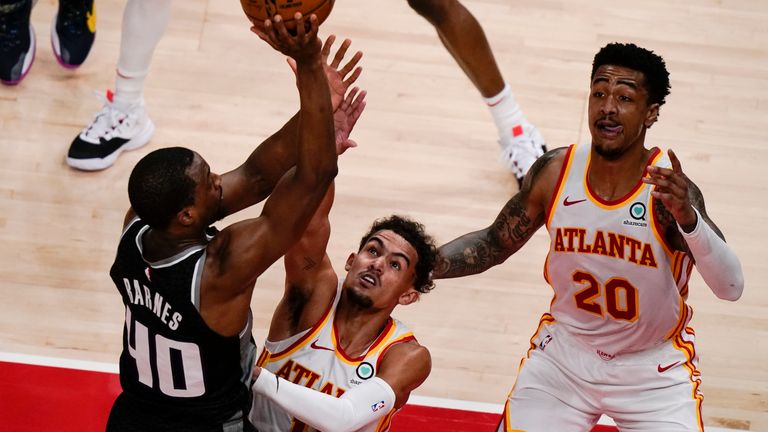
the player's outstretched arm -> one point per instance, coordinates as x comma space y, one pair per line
310, 281
521, 216
255, 179
682, 200
403, 369
242, 251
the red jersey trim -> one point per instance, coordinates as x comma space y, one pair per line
404, 338
550, 210
312, 332
389, 328
655, 153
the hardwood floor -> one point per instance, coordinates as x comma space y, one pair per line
427, 149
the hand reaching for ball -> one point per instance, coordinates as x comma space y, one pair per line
302, 46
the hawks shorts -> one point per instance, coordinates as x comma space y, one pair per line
565, 385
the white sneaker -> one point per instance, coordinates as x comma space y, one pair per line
521, 148
112, 130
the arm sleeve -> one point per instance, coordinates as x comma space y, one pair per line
716, 261
358, 407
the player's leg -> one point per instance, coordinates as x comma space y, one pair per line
551, 393
17, 40
533, 410
73, 31
464, 38
660, 390
122, 123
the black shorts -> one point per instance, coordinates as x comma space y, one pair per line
131, 416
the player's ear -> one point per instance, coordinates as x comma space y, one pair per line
652, 115
186, 216
408, 297
348, 264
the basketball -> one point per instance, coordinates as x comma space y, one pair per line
259, 10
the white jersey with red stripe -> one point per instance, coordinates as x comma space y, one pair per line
618, 286
315, 359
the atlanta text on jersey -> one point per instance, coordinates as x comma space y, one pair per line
609, 244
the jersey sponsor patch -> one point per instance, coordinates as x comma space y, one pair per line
364, 370
637, 212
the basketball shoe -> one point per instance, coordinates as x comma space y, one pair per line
113, 130
72, 32
17, 41
520, 149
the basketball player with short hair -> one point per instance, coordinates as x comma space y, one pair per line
335, 359
188, 352
626, 227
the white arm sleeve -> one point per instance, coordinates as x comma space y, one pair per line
356, 408
717, 263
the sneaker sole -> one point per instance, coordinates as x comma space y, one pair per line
98, 164
27, 66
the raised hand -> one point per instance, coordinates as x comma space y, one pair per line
301, 46
339, 80
673, 190
346, 116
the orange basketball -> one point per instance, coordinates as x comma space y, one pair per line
259, 10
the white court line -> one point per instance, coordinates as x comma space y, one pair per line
414, 399
59, 362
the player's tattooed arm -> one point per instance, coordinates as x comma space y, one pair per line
667, 221
480, 250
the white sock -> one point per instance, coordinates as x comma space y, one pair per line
144, 22
506, 111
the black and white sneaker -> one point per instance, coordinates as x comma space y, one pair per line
520, 149
113, 130
72, 32
17, 41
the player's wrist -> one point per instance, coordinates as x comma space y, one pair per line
688, 223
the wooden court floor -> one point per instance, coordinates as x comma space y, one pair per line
427, 149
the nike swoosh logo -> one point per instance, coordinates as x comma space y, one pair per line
665, 368
570, 203
318, 347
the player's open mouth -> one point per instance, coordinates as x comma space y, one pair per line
609, 128
369, 279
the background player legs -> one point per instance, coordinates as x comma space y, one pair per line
465, 39
123, 124
144, 22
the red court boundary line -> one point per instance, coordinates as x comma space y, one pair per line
46, 393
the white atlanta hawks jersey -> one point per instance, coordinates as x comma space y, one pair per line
618, 286
315, 359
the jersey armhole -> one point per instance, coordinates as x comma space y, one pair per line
550, 209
